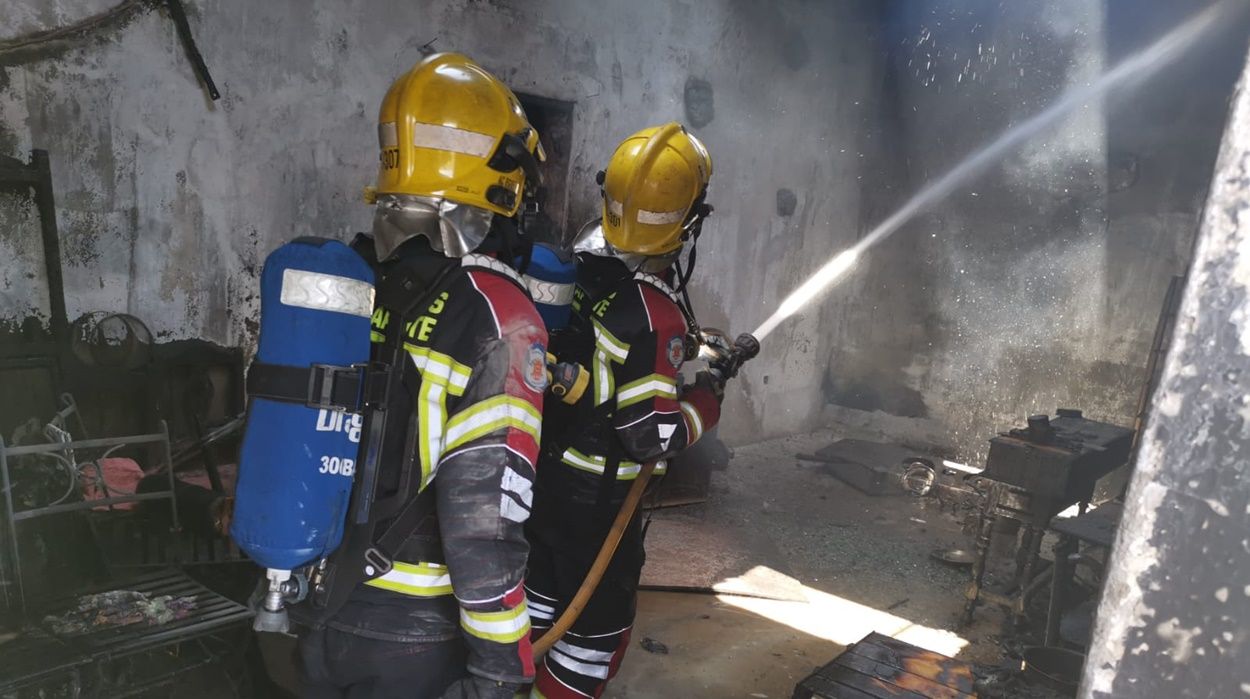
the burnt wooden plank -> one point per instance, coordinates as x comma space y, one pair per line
904, 649
872, 686
818, 686
904, 678
945, 671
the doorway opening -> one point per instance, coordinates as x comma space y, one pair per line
554, 120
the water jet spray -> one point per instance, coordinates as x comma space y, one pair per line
1135, 68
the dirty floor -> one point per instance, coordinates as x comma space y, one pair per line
863, 562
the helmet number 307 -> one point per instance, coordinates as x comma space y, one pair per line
389, 158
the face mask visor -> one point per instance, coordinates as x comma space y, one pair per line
453, 229
591, 241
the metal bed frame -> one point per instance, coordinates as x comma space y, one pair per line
41, 655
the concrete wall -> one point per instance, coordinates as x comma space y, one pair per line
168, 203
1171, 622
1038, 285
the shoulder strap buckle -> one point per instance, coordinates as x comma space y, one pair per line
335, 387
378, 561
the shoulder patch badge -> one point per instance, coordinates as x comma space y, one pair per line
536, 368
676, 351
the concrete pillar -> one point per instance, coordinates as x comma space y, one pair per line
1173, 620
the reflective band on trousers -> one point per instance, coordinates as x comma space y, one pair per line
416, 580
326, 292
625, 471
507, 626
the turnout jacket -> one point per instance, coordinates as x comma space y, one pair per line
479, 350
627, 329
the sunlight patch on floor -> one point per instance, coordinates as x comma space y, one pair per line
842, 621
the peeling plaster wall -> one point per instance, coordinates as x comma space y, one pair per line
168, 203
1172, 619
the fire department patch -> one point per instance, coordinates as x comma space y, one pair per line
536, 368
676, 351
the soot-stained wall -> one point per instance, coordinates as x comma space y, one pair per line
1038, 285
1171, 621
168, 203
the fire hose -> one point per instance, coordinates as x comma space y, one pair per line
606, 552
724, 360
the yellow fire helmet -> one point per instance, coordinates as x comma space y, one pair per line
450, 130
650, 189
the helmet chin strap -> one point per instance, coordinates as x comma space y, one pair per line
698, 213
507, 239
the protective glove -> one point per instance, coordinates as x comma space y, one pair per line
474, 687
712, 382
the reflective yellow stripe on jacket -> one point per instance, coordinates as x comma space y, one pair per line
507, 626
650, 386
415, 580
625, 471
441, 375
608, 350
490, 415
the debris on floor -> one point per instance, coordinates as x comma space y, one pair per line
653, 646
874, 468
119, 608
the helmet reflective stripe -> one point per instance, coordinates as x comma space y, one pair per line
660, 217
648, 217
451, 139
387, 136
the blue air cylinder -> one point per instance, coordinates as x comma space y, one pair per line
551, 278
296, 462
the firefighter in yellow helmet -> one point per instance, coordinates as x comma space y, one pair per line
425, 598
629, 329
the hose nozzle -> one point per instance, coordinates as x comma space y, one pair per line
724, 358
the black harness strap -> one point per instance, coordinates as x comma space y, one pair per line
366, 553
316, 386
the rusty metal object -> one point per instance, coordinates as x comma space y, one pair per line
1031, 474
1058, 459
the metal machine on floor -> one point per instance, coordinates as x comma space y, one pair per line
1031, 475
